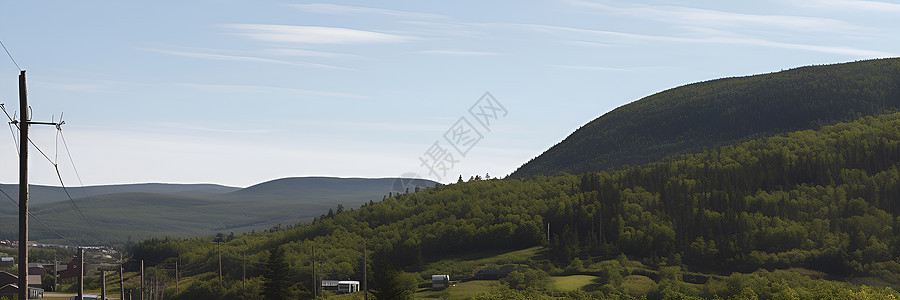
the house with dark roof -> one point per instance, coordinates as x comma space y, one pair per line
9, 286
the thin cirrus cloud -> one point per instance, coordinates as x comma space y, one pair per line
858, 5
314, 34
708, 17
595, 68
308, 53
225, 57
231, 88
459, 52
201, 128
335, 9
102, 86
586, 34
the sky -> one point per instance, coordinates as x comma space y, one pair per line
242, 92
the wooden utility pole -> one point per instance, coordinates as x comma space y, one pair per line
142, 280
121, 277
102, 284
548, 232
23, 123
55, 271
23, 188
218, 249
176, 275
365, 273
315, 279
80, 273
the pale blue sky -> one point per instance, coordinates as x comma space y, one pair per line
240, 92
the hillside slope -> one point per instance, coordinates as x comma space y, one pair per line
824, 202
704, 115
40, 194
151, 210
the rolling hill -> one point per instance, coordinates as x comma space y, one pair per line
782, 185
142, 211
48, 194
805, 215
699, 116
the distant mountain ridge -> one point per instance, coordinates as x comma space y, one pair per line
147, 210
699, 116
40, 194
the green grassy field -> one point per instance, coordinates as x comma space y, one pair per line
464, 290
511, 257
637, 285
464, 266
573, 282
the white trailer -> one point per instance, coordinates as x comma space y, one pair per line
440, 282
347, 286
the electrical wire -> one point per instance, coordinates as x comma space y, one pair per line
10, 56
65, 189
56, 167
80, 212
13, 121
39, 220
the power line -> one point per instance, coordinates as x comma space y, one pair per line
13, 121
80, 213
10, 56
56, 166
39, 220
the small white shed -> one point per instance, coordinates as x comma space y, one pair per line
440, 282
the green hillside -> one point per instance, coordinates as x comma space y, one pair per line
704, 115
803, 215
40, 194
158, 210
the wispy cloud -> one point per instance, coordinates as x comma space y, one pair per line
794, 46
590, 44
460, 52
202, 128
386, 126
307, 53
445, 29
857, 5
595, 68
215, 56
314, 34
100, 86
323, 8
707, 17
581, 33
230, 88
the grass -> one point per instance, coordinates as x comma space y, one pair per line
464, 290
519, 256
464, 266
352, 296
573, 282
638, 285
57, 296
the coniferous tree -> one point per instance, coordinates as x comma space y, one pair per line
276, 285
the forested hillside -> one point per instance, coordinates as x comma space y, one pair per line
700, 116
141, 211
823, 202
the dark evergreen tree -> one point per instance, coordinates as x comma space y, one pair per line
277, 284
